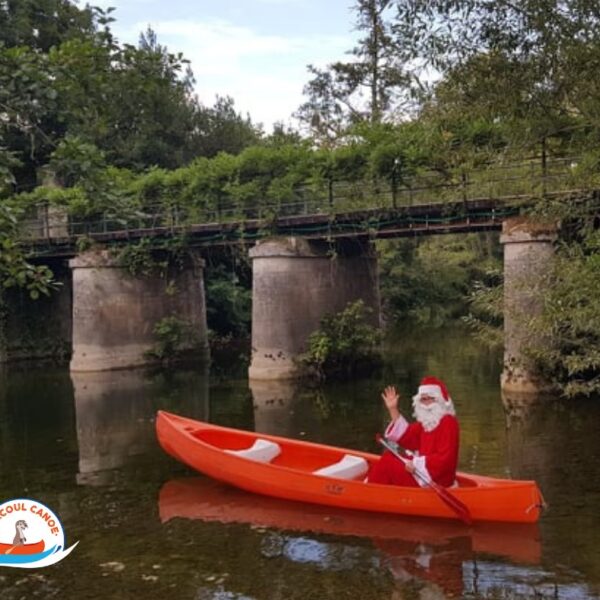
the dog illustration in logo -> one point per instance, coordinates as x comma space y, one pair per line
19, 546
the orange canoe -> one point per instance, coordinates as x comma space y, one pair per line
24, 549
318, 474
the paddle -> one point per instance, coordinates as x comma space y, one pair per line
454, 503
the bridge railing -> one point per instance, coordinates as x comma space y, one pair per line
534, 177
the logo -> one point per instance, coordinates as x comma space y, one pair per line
31, 535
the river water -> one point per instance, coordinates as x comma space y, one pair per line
148, 527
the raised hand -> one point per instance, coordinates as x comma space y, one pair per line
390, 398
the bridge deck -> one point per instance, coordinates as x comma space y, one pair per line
374, 223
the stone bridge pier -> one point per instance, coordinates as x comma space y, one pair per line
114, 313
296, 282
528, 252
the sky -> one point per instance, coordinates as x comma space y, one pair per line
256, 51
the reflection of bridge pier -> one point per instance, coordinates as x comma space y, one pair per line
115, 414
273, 403
557, 445
527, 443
541, 447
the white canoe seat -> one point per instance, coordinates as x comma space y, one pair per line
349, 467
261, 451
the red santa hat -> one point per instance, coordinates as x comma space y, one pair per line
431, 386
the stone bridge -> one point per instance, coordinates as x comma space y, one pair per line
304, 266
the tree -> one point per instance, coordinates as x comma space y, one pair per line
527, 65
43, 24
31, 32
336, 94
15, 269
427, 280
32, 105
283, 135
221, 128
26, 99
135, 104
521, 75
570, 322
150, 109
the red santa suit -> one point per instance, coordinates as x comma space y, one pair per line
433, 438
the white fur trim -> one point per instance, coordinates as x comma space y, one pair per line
435, 392
396, 429
431, 390
423, 478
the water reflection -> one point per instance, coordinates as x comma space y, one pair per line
325, 556
487, 579
273, 403
342, 414
36, 426
115, 411
427, 559
219, 593
57, 430
436, 571
529, 456
424, 549
208, 500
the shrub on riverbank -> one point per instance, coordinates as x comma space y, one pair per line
175, 339
570, 321
562, 342
345, 344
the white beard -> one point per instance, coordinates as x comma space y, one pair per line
430, 416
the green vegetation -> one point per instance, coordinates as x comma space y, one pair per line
15, 269
426, 281
571, 320
228, 301
113, 135
139, 258
344, 345
486, 309
174, 338
95, 111
134, 104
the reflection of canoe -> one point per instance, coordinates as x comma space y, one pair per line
438, 567
289, 474
208, 500
24, 549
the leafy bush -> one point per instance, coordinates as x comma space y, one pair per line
562, 344
138, 259
174, 337
570, 321
15, 268
344, 345
428, 280
228, 303
75, 161
486, 318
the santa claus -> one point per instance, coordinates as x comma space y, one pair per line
433, 438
